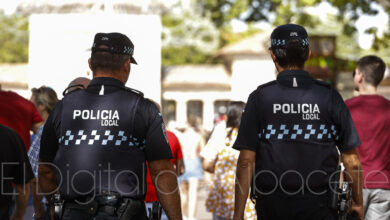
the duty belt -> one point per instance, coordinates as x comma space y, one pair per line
111, 204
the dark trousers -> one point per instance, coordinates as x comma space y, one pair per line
76, 214
136, 211
276, 207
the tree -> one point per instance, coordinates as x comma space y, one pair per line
13, 38
191, 37
222, 11
293, 11
188, 37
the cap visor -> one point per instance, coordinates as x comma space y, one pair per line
132, 60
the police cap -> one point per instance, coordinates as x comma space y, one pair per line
115, 43
282, 35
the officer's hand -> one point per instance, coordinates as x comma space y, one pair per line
357, 210
51, 210
16, 217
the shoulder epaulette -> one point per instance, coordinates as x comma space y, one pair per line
72, 88
322, 83
133, 91
267, 84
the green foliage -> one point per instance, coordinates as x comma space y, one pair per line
13, 39
284, 14
170, 21
188, 38
175, 53
172, 55
287, 11
307, 20
227, 36
222, 11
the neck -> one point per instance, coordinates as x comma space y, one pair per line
367, 90
281, 69
115, 75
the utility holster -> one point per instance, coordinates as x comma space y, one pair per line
131, 209
252, 193
58, 204
340, 198
112, 204
345, 196
156, 211
109, 203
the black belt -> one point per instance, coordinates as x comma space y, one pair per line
291, 192
110, 210
90, 208
94, 206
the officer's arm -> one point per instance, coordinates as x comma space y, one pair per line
165, 180
46, 180
47, 152
353, 171
21, 200
245, 165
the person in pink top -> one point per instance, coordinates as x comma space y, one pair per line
370, 113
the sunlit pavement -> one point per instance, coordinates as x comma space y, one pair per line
201, 212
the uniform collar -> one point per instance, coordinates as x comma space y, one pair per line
289, 73
294, 78
106, 81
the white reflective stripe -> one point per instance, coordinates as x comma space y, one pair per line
295, 84
101, 90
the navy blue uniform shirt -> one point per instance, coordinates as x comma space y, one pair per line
99, 139
295, 125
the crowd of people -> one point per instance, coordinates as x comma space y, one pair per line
27, 117
263, 160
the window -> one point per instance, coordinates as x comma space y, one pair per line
220, 107
195, 112
220, 110
169, 110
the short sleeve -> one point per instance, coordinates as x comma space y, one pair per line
347, 137
157, 146
22, 172
49, 139
178, 154
247, 137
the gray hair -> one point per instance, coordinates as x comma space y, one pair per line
45, 96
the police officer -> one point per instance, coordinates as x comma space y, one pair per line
289, 133
95, 144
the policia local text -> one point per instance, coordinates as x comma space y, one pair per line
309, 111
107, 117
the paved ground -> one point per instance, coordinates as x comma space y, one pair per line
201, 213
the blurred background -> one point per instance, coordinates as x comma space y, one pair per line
193, 56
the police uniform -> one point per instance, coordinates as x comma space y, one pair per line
296, 125
99, 139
